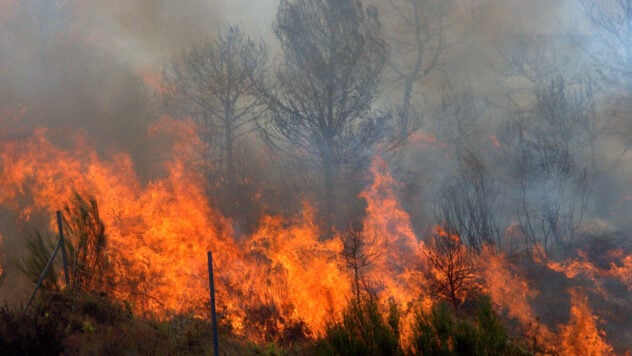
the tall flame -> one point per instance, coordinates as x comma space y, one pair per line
582, 336
282, 274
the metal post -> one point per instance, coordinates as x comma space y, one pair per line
213, 312
63, 248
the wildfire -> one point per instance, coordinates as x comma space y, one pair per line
293, 270
0, 246
399, 257
158, 234
582, 336
282, 275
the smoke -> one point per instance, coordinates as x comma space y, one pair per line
94, 66
87, 68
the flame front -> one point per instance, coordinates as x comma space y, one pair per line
283, 274
159, 233
582, 336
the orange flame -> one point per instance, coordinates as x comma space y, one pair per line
399, 257
160, 231
582, 336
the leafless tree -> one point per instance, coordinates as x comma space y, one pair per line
359, 256
468, 205
320, 99
451, 267
551, 161
529, 56
421, 36
458, 120
526, 62
212, 83
612, 22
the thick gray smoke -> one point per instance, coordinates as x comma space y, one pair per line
95, 66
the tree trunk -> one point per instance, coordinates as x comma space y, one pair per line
407, 96
329, 176
330, 201
231, 193
231, 175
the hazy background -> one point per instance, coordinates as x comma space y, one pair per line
95, 66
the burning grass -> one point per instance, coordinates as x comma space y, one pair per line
283, 284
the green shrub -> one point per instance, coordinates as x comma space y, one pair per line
443, 332
40, 249
363, 330
76, 323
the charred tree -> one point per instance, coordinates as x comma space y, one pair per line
451, 268
552, 164
421, 37
612, 23
468, 205
212, 83
359, 257
320, 99
458, 121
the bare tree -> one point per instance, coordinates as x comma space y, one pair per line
212, 83
612, 21
458, 120
320, 100
451, 267
359, 256
420, 41
528, 62
468, 205
530, 57
551, 161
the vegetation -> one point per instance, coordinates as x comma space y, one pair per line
40, 249
320, 101
363, 330
524, 156
76, 323
212, 84
444, 332
85, 242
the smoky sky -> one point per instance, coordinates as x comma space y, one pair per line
144, 34
94, 64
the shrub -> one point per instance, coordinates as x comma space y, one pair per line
443, 332
362, 331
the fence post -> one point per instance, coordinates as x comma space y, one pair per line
64, 258
41, 278
213, 311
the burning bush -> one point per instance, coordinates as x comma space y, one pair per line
85, 232
86, 245
451, 267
